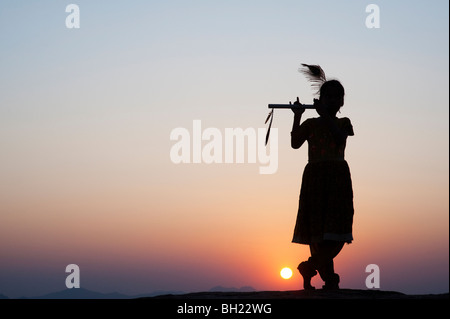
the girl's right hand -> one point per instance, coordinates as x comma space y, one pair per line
298, 111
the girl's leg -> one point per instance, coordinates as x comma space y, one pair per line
307, 271
322, 255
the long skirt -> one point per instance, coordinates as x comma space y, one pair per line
326, 204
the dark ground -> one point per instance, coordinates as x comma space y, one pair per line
302, 294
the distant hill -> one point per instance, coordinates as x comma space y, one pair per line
81, 293
219, 292
232, 289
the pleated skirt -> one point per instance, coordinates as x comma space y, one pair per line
325, 210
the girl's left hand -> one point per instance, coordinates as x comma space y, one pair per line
298, 110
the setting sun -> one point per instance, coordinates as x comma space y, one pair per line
286, 273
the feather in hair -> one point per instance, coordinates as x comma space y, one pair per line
314, 74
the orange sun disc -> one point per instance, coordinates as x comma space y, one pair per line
286, 273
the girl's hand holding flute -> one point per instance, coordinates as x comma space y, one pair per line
298, 110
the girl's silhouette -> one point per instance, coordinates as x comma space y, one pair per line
325, 213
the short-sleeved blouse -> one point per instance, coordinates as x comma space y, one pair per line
321, 143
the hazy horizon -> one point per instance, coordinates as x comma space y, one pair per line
86, 116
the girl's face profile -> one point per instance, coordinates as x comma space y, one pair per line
332, 97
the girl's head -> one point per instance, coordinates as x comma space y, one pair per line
332, 95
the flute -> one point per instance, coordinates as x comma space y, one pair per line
291, 106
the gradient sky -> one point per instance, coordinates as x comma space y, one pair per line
85, 122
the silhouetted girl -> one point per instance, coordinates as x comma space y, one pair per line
325, 213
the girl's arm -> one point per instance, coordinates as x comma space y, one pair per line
297, 135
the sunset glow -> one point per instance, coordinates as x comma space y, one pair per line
90, 175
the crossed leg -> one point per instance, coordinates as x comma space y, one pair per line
321, 260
